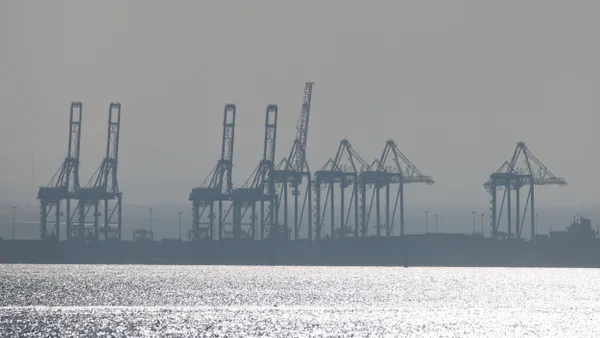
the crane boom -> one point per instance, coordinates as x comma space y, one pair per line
302, 128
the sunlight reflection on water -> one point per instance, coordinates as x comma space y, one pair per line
226, 301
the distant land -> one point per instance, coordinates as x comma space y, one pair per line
165, 219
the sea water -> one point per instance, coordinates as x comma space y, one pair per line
239, 301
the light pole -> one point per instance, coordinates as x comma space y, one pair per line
437, 230
180, 225
537, 217
426, 213
151, 232
14, 223
473, 212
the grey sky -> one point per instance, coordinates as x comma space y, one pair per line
456, 84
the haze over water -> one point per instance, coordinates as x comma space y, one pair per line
455, 84
232, 301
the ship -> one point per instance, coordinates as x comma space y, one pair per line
579, 230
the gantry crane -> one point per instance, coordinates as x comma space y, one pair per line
513, 175
391, 168
217, 187
294, 171
258, 188
102, 187
65, 183
339, 172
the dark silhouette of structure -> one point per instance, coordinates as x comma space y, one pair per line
392, 168
259, 209
261, 237
101, 190
370, 180
579, 230
523, 170
401, 171
65, 183
258, 188
216, 188
336, 174
294, 171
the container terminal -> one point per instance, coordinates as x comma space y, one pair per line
351, 209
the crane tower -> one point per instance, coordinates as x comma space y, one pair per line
258, 188
101, 190
294, 171
217, 187
65, 183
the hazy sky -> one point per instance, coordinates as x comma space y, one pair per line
455, 83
